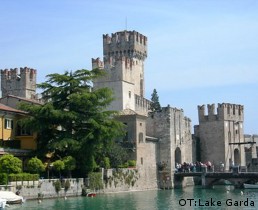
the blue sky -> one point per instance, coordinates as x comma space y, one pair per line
199, 51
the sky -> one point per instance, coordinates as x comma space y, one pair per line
199, 51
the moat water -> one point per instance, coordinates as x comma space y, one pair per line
220, 197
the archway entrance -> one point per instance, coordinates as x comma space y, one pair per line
178, 155
237, 159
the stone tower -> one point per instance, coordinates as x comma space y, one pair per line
19, 83
173, 130
219, 134
124, 55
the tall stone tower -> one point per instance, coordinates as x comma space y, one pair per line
19, 83
220, 134
124, 55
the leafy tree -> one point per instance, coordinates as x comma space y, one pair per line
155, 105
35, 165
106, 163
10, 164
74, 120
117, 155
69, 164
59, 165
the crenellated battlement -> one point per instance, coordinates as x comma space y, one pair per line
126, 43
19, 82
97, 63
142, 104
225, 111
17, 73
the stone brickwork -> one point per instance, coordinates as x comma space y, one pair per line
45, 188
173, 130
251, 151
219, 134
154, 138
124, 55
20, 82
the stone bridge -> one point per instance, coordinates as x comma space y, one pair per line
210, 178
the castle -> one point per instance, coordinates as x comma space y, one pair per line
158, 139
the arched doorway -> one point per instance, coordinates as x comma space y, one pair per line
178, 155
237, 160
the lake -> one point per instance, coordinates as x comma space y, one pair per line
220, 197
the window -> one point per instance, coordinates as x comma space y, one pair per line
22, 131
8, 124
129, 94
140, 137
142, 160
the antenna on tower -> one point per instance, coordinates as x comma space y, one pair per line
126, 23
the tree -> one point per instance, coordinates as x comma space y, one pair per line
155, 105
59, 165
35, 165
117, 155
74, 120
10, 164
69, 164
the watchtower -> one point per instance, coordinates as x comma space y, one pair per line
221, 134
124, 54
19, 82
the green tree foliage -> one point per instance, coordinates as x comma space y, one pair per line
10, 164
95, 179
74, 120
155, 105
35, 165
117, 155
69, 164
59, 165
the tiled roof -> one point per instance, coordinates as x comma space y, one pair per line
23, 99
10, 109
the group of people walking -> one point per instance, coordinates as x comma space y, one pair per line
194, 167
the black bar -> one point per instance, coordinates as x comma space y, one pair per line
249, 142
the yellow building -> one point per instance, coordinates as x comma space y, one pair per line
13, 135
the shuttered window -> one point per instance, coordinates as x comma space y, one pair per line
8, 123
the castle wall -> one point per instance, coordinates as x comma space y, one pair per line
174, 133
19, 82
219, 132
144, 152
251, 151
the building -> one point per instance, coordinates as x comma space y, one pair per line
17, 86
19, 82
221, 135
14, 138
155, 137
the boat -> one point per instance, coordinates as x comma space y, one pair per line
2, 203
250, 186
91, 194
11, 197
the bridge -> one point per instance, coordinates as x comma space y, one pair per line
210, 178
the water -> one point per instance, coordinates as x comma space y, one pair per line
151, 200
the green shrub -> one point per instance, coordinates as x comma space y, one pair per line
132, 163
23, 177
95, 180
125, 165
57, 185
67, 185
106, 163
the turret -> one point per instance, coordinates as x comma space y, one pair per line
126, 43
19, 83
